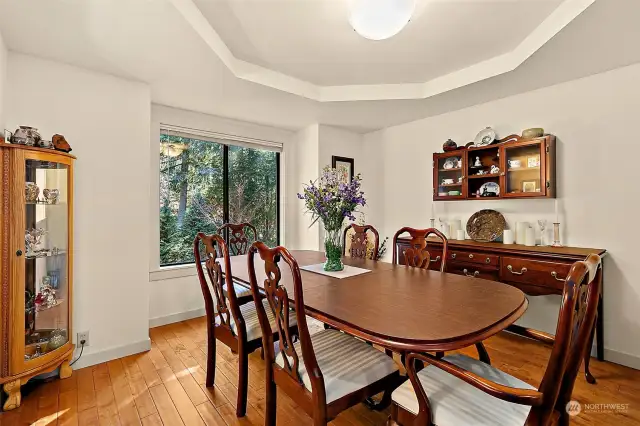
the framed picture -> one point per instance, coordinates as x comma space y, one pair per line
529, 186
344, 165
533, 161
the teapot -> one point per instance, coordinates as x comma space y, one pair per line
26, 135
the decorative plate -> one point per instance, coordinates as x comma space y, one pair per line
486, 226
485, 137
490, 189
450, 163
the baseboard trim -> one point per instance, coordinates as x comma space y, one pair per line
180, 316
622, 358
93, 358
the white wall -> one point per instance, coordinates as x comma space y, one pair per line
106, 121
306, 155
174, 291
592, 119
3, 82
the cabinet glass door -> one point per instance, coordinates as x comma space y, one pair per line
449, 176
524, 166
46, 257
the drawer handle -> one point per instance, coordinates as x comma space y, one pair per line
453, 256
487, 261
475, 274
471, 256
522, 271
554, 274
435, 260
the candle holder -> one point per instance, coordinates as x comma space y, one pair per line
556, 235
433, 222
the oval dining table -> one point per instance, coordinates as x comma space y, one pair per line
399, 307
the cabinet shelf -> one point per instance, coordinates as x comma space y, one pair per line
451, 184
522, 169
45, 253
457, 169
492, 175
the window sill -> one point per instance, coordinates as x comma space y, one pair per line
171, 272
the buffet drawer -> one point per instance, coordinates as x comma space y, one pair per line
472, 270
488, 260
534, 272
434, 253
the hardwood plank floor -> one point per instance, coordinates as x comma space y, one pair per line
166, 387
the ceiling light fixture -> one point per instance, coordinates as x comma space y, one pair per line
380, 19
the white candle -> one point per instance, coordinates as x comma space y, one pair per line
557, 215
530, 237
507, 237
460, 234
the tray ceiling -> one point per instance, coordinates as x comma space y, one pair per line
308, 48
313, 41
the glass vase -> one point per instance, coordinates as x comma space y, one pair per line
333, 250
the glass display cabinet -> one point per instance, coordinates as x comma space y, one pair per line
36, 216
448, 175
510, 168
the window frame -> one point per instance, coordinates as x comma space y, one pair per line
176, 270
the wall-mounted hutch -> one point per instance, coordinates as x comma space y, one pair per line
36, 265
525, 169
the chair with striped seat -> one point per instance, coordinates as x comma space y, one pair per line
236, 325
238, 238
325, 373
459, 390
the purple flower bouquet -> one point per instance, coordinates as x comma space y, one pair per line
330, 199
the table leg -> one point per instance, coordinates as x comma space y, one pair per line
600, 329
587, 357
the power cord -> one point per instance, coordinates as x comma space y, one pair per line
82, 342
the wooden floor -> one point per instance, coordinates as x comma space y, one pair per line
166, 387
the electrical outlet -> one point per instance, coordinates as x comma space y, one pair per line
83, 336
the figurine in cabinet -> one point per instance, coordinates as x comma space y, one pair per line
477, 163
35, 338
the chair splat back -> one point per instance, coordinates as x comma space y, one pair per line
238, 240
214, 278
359, 241
279, 302
573, 333
417, 254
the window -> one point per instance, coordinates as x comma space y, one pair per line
207, 181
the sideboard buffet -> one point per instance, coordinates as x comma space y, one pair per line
538, 270
36, 264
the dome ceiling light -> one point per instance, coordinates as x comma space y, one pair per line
380, 19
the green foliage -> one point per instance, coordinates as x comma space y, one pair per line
192, 193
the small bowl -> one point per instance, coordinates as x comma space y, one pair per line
534, 132
45, 144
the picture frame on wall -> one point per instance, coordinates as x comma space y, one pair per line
345, 165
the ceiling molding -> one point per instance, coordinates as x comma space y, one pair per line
553, 24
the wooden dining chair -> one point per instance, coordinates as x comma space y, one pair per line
234, 325
325, 373
417, 254
239, 237
458, 390
359, 240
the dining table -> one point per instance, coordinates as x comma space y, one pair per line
399, 307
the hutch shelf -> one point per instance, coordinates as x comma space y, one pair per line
36, 264
511, 168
